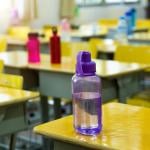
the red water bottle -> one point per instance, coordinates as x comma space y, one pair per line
33, 47
55, 48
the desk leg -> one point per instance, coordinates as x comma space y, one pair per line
12, 142
57, 107
128, 86
44, 108
47, 144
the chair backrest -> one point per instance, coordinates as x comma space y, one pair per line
47, 29
1, 66
11, 81
20, 32
94, 43
3, 44
80, 46
143, 23
108, 22
128, 53
72, 48
66, 49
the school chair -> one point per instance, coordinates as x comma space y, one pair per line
11, 81
108, 23
143, 23
94, 43
3, 44
47, 30
72, 48
66, 49
135, 54
19, 32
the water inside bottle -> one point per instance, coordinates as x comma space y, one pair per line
87, 107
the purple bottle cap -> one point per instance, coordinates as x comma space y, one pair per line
84, 66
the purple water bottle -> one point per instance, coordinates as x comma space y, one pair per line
33, 47
86, 87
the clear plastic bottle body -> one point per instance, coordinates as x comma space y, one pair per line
122, 31
87, 104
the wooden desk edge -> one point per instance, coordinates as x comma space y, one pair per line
67, 140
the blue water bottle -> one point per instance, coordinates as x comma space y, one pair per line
86, 94
128, 16
133, 17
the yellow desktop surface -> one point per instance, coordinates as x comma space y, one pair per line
13, 96
105, 68
125, 127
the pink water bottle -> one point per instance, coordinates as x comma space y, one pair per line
33, 47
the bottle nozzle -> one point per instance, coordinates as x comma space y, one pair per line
84, 64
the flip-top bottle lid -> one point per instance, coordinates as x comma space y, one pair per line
84, 66
128, 13
133, 10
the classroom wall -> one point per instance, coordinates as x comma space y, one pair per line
110, 11
49, 12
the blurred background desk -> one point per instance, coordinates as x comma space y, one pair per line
55, 80
20, 44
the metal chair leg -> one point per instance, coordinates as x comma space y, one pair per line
12, 144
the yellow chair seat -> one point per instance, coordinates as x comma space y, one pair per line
11, 81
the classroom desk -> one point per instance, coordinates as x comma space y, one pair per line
20, 44
106, 51
119, 80
86, 33
12, 109
140, 38
125, 127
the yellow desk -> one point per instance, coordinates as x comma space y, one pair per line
12, 109
119, 80
125, 127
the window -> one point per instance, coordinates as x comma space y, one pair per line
113, 1
95, 2
89, 2
121, 1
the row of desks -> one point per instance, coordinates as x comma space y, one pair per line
119, 80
